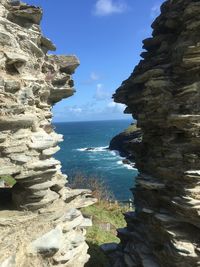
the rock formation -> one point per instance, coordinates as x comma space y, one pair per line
40, 226
122, 142
162, 94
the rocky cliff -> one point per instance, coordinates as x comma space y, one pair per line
163, 95
39, 223
123, 141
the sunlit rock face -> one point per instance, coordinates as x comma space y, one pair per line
50, 230
163, 94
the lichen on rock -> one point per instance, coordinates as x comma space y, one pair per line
42, 226
162, 94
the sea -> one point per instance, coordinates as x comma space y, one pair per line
85, 150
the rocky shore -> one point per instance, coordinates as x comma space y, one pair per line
40, 221
122, 142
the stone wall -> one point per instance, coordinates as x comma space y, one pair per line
163, 94
41, 225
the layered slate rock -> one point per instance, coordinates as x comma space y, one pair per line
50, 231
163, 95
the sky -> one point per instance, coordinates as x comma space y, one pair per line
106, 36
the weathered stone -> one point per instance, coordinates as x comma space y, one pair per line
12, 86
15, 149
162, 94
107, 248
21, 158
30, 13
47, 43
42, 141
3, 137
58, 93
42, 164
49, 243
67, 64
10, 262
14, 57
5, 39
8, 168
38, 226
50, 151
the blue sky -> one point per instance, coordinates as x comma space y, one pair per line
106, 35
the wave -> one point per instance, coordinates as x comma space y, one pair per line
93, 149
114, 153
115, 156
130, 166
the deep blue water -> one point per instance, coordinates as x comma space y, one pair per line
102, 163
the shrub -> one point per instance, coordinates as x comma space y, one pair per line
97, 186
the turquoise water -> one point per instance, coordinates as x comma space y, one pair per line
100, 162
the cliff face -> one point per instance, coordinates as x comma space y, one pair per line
123, 141
50, 231
163, 94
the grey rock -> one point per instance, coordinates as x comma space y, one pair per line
110, 247
42, 141
9, 262
42, 164
50, 151
12, 86
47, 43
5, 39
162, 95
51, 242
30, 13
39, 223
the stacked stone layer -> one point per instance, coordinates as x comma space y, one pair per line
31, 81
163, 94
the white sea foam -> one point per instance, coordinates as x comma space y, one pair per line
93, 149
81, 149
114, 152
129, 167
114, 156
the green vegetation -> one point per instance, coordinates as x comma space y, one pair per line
106, 217
131, 128
96, 185
9, 181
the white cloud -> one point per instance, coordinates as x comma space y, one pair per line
100, 93
115, 107
92, 110
75, 110
155, 10
108, 7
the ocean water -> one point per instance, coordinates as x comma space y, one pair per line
99, 162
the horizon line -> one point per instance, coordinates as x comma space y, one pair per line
94, 120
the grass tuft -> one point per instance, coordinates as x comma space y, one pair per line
106, 217
9, 181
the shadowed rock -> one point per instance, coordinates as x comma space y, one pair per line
162, 94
